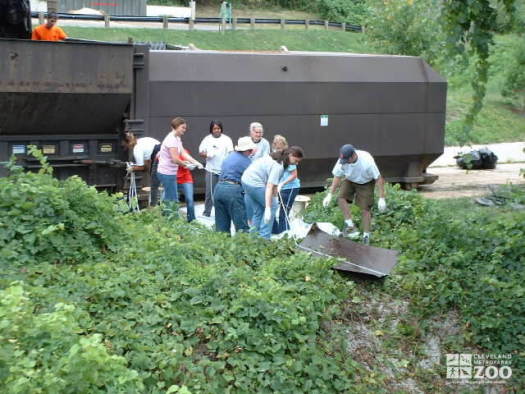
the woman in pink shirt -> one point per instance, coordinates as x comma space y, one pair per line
170, 159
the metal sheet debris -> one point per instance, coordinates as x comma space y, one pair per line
360, 258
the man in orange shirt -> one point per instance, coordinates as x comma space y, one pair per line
49, 31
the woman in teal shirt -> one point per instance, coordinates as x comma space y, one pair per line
288, 187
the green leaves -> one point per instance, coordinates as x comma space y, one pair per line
472, 260
46, 352
56, 221
159, 305
470, 26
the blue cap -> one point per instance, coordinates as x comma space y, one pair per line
345, 153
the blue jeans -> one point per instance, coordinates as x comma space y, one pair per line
249, 207
155, 183
187, 189
229, 207
255, 198
288, 196
169, 183
211, 182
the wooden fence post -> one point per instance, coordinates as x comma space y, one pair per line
252, 23
343, 26
106, 21
223, 24
191, 24
165, 21
326, 25
282, 24
307, 24
234, 23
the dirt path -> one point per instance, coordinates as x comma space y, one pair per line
455, 182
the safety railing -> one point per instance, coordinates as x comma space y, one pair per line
166, 20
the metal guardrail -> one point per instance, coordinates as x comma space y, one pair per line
235, 21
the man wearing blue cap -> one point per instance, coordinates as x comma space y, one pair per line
357, 173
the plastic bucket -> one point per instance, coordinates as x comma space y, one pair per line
299, 206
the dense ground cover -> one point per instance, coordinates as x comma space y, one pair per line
143, 303
456, 256
98, 300
497, 122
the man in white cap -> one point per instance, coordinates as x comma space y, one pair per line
358, 173
229, 194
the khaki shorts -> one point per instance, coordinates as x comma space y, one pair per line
364, 194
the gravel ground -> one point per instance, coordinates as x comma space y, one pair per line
455, 182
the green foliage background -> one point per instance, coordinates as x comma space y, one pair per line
473, 262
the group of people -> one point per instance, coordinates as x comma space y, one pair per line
243, 182
249, 182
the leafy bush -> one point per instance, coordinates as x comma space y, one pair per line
350, 11
474, 262
406, 28
42, 218
187, 308
45, 353
514, 84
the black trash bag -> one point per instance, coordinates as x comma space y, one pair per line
480, 159
488, 159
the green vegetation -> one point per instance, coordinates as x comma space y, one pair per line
407, 28
169, 307
455, 256
44, 221
174, 307
239, 40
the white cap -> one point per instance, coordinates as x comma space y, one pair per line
244, 144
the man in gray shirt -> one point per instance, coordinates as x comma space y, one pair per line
262, 144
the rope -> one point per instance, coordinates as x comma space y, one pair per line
133, 201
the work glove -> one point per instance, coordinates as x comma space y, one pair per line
267, 215
279, 187
327, 199
200, 166
129, 167
381, 205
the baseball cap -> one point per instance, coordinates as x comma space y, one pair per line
345, 153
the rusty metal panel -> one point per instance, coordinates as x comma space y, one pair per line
61, 67
112, 7
69, 99
357, 257
64, 88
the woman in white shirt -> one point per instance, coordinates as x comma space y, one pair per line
145, 152
215, 147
